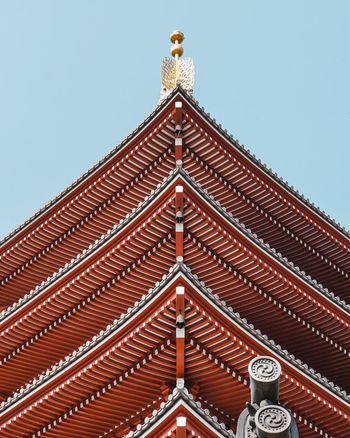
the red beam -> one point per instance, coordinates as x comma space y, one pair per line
179, 227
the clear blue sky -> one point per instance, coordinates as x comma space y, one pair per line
77, 76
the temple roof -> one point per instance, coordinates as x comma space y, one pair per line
90, 292
221, 354
183, 399
26, 329
218, 126
117, 228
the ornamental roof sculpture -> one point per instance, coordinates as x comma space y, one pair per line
264, 417
176, 71
134, 302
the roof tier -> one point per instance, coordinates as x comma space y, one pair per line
106, 282
114, 187
129, 370
93, 349
87, 211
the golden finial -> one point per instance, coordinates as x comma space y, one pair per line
176, 38
176, 71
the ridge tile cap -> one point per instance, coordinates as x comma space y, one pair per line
241, 147
270, 343
87, 252
260, 242
184, 396
92, 169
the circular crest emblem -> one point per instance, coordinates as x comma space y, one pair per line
272, 419
264, 369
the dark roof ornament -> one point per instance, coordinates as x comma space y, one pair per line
264, 417
180, 320
179, 217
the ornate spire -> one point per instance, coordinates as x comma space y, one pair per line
176, 71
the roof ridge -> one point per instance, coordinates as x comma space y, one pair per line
184, 395
270, 343
86, 252
123, 319
91, 170
268, 170
260, 242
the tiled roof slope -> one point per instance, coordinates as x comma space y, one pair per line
320, 341
92, 330
326, 261
298, 375
180, 397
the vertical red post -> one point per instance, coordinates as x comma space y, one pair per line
178, 133
178, 151
179, 238
181, 427
179, 226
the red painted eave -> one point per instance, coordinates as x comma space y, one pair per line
204, 366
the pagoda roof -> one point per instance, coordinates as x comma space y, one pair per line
323, 259
179, 90
141, 206
182, 402
31, 314
298, 383
89, 346
99, 243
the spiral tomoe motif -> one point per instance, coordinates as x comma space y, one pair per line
264, 369
273, 419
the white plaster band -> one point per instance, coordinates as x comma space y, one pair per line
181, 421
179, 228
180, 382
180, 290
180, 333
